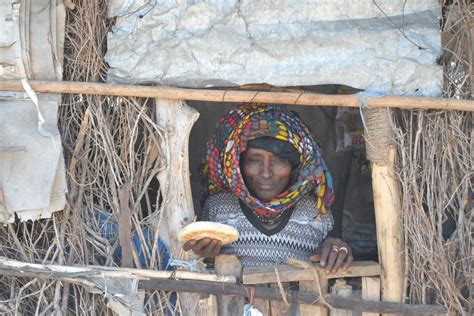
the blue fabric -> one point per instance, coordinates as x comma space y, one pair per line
109, 230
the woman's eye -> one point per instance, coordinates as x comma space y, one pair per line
253, 160
279, 160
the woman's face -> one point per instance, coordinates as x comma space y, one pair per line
265, 174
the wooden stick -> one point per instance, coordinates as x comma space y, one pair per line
52, 271
125, 226
292, 296
303, 98
260, 275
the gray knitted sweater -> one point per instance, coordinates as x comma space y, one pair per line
297, 235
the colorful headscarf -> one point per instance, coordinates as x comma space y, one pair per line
220, 170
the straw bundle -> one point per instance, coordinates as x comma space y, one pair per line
112, 150
436, 170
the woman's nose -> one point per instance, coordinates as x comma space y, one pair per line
266, 170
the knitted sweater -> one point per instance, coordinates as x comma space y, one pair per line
297, 235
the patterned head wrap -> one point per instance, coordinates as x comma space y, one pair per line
220, 170
278, 147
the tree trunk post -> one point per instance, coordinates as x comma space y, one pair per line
176, 119
387, 202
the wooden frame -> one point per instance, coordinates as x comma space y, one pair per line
369, 271
212, 95
179, 210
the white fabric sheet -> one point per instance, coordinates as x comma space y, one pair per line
32, 175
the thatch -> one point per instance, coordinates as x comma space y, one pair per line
436, 167
109, 143
112, 142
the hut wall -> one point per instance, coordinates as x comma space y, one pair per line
284, 43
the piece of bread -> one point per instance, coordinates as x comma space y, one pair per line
199, 230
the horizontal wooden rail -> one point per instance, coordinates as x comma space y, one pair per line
286, 273
196, 283
16, 268
291, 296
294, 98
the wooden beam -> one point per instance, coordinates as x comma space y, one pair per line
162, 280
229, 305
16, 268
387, 204
176, 119
260, 275
292, 297
370, 291
214, 95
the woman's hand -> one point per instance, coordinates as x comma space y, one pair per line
206, 247
333, 254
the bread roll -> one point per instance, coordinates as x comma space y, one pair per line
199, 230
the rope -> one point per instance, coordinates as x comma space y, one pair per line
364, 103
250, 293
280, 286
304, 265
378, 131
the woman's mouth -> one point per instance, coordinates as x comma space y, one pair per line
266, 186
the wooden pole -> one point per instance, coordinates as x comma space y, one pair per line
176, 120
382, 153
229, 305
298, 98
213, 284
292, 297
287, 273
370, 291
17, 268
390, 243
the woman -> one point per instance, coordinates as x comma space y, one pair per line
264, 174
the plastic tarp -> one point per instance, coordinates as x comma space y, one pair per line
32, 175
389, 46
